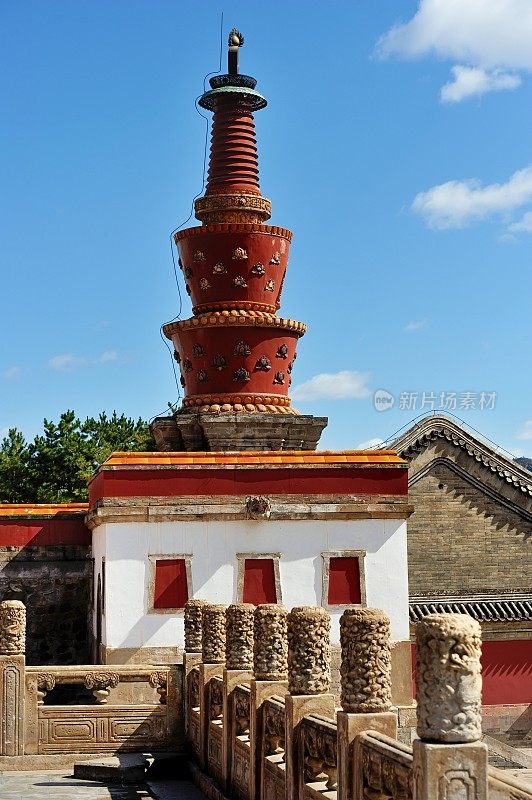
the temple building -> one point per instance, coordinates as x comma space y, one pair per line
238, 504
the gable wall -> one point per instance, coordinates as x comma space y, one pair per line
461, 541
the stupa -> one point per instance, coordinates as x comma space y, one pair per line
236, 356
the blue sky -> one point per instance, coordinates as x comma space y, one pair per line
399, 156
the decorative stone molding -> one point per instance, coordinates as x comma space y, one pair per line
239, 636
326, 571
270, 647
101, 683
309, 651
238, 403
45, 684
153, 559
158, 681
232, 208
12, 628
448, 678
258, 507
213, 634
234, 305
241, 559
366, 661
237, 318
273, 230
193, 625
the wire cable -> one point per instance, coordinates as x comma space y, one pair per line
182, 224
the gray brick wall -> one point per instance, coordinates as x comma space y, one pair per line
55, 584
461, 541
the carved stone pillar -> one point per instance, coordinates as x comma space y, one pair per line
450, 761
12, 677
238, 669
212, 665
366, 698
192, 654
270, 667
193, 625
309, 680
239, 636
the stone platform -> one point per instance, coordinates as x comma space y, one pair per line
237, 431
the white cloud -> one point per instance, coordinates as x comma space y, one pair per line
523, 226
493, 35
415, 326
526, 431
106, 357
66, 362
371, 444
456, 204
471, 81
333, 386
11, 373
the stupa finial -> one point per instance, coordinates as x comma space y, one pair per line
236, 40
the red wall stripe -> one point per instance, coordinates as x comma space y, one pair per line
259, 581
506, 672
239, 482
41, 532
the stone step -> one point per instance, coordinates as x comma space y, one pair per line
132, 767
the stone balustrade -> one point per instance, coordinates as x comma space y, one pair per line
283, 747
274, 735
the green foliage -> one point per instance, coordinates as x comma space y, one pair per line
56, 466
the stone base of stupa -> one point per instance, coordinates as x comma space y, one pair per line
197, 431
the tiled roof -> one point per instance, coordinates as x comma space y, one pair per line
482, 610
250, 457
439, 426
41, 509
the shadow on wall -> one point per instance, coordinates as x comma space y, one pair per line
55, 585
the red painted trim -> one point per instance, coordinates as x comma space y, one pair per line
259, 581
344, 581
236, 482
506, 672
171, 590
51, 532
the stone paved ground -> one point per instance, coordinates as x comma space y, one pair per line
62, 786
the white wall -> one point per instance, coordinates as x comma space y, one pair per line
214, 545
98, 553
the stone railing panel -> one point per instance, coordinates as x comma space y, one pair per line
239, 770
382, 767
273, 772
318, 755
193, 710
215, 729
129, 725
